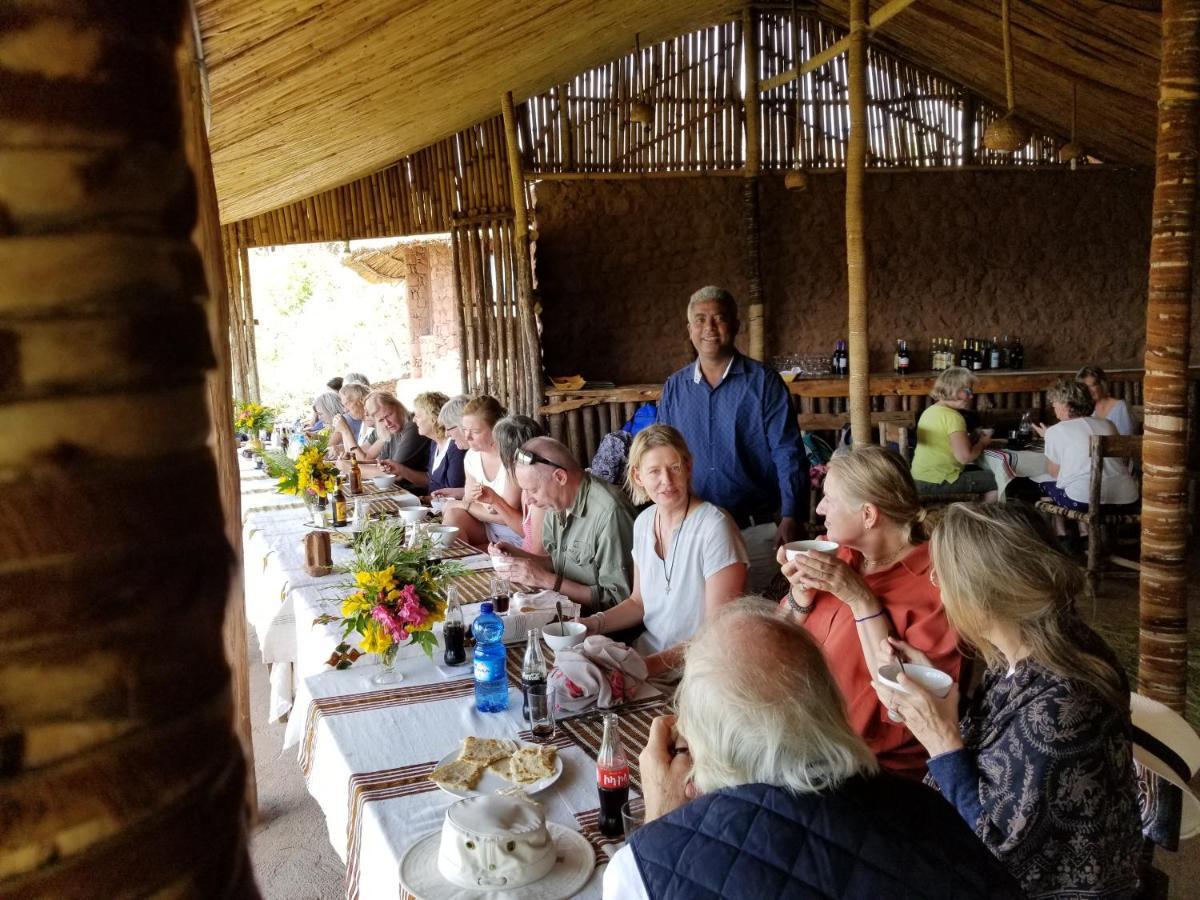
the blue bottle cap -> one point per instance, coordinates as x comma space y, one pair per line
485, 608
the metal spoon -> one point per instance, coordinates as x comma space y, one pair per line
561, 630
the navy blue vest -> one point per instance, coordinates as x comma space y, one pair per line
879, 837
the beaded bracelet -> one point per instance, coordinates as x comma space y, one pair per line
796, 607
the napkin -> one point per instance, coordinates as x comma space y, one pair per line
598, 672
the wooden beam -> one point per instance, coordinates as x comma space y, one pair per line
856, 251
750, 217
1163, 638
882, 15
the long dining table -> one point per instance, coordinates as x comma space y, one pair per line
365, 750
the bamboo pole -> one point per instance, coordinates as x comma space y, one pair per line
207, 238
750, 218
529, 336
1163, 640
114, 569
856, 253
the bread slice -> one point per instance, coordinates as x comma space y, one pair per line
484, 751
531, 763
457, 775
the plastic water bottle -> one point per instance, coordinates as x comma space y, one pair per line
491, 681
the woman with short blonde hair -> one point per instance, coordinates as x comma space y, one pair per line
444, 470
874, 584
1052, 709
941, 461
401, 449
688, 556
477, 515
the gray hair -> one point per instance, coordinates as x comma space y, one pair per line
452, 413
951, 381
354, 391
328, 405
356, 378
1075, 395
510, 435
712, 293
772, 716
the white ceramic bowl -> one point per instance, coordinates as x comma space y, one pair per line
413, 514
384, 482
575, 633
438, 503
442, 535
933, 680
795, 548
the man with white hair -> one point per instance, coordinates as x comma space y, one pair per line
587, 532
760, 788
736, 416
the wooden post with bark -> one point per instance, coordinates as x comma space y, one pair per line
122, 773
531, 351
1163, 643
750, 214
856, 251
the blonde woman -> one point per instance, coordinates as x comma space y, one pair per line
1040, 765
445, 467
478, 521
688, 556
944, 451
401, 449
876, 584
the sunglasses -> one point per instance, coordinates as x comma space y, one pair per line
529, 458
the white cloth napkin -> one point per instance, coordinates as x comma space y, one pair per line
597, 672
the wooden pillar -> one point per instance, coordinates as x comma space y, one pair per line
856, 251
750, 214
1162, 665
525, 316
207, 238
122, 773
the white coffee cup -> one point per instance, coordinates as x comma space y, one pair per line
796, 548
933, 680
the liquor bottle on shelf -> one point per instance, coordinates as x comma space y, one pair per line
896, 358
903, 358
976, 357
1004, 353
841, 360
1016, 355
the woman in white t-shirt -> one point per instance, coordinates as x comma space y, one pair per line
1068, 452
479, 521
688, 556
1116, 411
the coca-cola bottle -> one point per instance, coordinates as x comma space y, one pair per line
454, 632
612, 778
533, 676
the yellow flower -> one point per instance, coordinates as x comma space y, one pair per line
356, 603
375, 639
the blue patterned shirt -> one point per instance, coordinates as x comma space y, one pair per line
745, 444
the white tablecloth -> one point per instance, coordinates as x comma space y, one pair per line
1007, 465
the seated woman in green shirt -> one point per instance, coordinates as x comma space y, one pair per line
944, 451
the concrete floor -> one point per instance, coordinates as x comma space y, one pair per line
293, 859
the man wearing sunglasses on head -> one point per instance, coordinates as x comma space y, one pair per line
587, 533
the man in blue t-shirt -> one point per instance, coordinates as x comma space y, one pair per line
736, 416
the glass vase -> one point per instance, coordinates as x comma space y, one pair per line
387, 667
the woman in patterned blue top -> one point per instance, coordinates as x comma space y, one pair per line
1041, 764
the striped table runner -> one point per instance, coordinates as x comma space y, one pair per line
587, 731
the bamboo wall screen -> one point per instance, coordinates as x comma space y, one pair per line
693, 83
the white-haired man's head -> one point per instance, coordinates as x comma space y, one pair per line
757, 704
548, 473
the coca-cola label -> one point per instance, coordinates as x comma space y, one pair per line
612, 779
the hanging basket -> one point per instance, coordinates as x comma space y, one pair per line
1007, 135
796, 180
641, 113
1071, 151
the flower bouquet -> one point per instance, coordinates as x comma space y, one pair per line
399, 595
251, 419
309, 475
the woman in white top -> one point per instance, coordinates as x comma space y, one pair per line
1116, 411
1068, 452
688, 555
478, 521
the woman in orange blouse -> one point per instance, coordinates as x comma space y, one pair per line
875, 585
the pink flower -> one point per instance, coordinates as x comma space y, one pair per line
390, 623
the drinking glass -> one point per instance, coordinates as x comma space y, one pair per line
501, 589
633, 815
541, 712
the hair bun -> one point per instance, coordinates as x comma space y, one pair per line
921, 516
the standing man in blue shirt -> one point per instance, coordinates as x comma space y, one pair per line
736, 416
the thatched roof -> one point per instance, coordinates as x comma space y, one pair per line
304, 100
379, 265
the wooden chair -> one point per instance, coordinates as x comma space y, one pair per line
1103, 446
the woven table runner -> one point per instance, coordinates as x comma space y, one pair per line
587, 731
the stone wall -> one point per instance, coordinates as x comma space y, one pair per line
1057, 258
432, 323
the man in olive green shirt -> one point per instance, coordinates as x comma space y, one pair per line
588, 529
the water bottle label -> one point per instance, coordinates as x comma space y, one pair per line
612, 779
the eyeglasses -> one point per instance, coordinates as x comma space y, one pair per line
529, 458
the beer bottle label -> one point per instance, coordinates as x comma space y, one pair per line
612, 779
339, 511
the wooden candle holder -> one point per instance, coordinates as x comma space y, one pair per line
318, 554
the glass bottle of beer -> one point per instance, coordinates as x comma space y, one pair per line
355, 476
339, 512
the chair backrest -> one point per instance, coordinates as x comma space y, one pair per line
895, 433
1106, 446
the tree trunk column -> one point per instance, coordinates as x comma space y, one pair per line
121, 773
1162, 665
856, 252
750, 216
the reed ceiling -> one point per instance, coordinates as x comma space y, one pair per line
309, 95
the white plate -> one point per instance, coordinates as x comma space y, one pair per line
489, 782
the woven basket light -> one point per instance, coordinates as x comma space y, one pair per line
796, 180
1071, 151
641, 113
1007, 134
